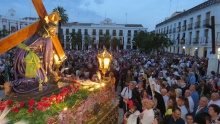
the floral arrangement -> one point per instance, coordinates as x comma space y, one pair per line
46, 105
81, 111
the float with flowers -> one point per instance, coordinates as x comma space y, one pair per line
80, 102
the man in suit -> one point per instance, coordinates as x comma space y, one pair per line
202, 107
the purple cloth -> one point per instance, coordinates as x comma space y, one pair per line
43, 47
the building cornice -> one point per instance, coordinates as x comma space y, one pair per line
192, 10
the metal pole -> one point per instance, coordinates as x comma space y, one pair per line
213, 33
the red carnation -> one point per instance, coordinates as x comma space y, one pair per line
30, 110
39, 105
31, 103
21, 104
16, 110
9, 102
45, 99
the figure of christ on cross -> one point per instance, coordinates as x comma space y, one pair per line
40, 37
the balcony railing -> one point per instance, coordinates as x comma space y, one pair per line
196, 40
174, 30
120, 34
93, 33
114, 34
197, 24
183, 27
206, 22
129, 34
190, 26
204, 40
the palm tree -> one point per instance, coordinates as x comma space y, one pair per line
76, 39
64, 19
105, 40
115, 42
87, 41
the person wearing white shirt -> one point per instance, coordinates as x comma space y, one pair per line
191, 103
147, 116
215, 99
134, 113
127, 95
181, 104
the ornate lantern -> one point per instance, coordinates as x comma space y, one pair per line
104, 59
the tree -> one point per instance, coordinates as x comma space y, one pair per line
64, 19
4, 33
161, 41
115, 42
106, 40
88, 41
149, 42
76, 39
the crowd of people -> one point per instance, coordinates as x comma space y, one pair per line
155, 89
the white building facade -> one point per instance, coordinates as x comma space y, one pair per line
189, 32
12, 23
124, 32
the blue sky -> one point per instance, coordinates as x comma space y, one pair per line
145, 12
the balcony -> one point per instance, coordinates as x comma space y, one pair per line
174, 30
183, 27
182, 41
170, 31
120, 34
190, 26
196, 40
178, 29
197, 24
189, 41
129, 34
93, 33
113, 34
206, 23
204, 41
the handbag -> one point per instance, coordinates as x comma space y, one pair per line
121, 100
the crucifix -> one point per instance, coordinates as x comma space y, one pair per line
23, 34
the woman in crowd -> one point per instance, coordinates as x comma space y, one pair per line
214, 111
145, 95
170, 104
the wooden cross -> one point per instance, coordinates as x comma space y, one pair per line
23, 34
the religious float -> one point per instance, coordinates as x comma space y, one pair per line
38, 95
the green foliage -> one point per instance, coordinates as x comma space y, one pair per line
151, 42
105, 40
76, 38
88, 40
38, 117
4, 33
115, 42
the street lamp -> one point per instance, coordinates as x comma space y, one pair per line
104, 60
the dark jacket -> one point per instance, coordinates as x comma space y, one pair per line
205, 109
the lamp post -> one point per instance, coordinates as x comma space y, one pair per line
104, 60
